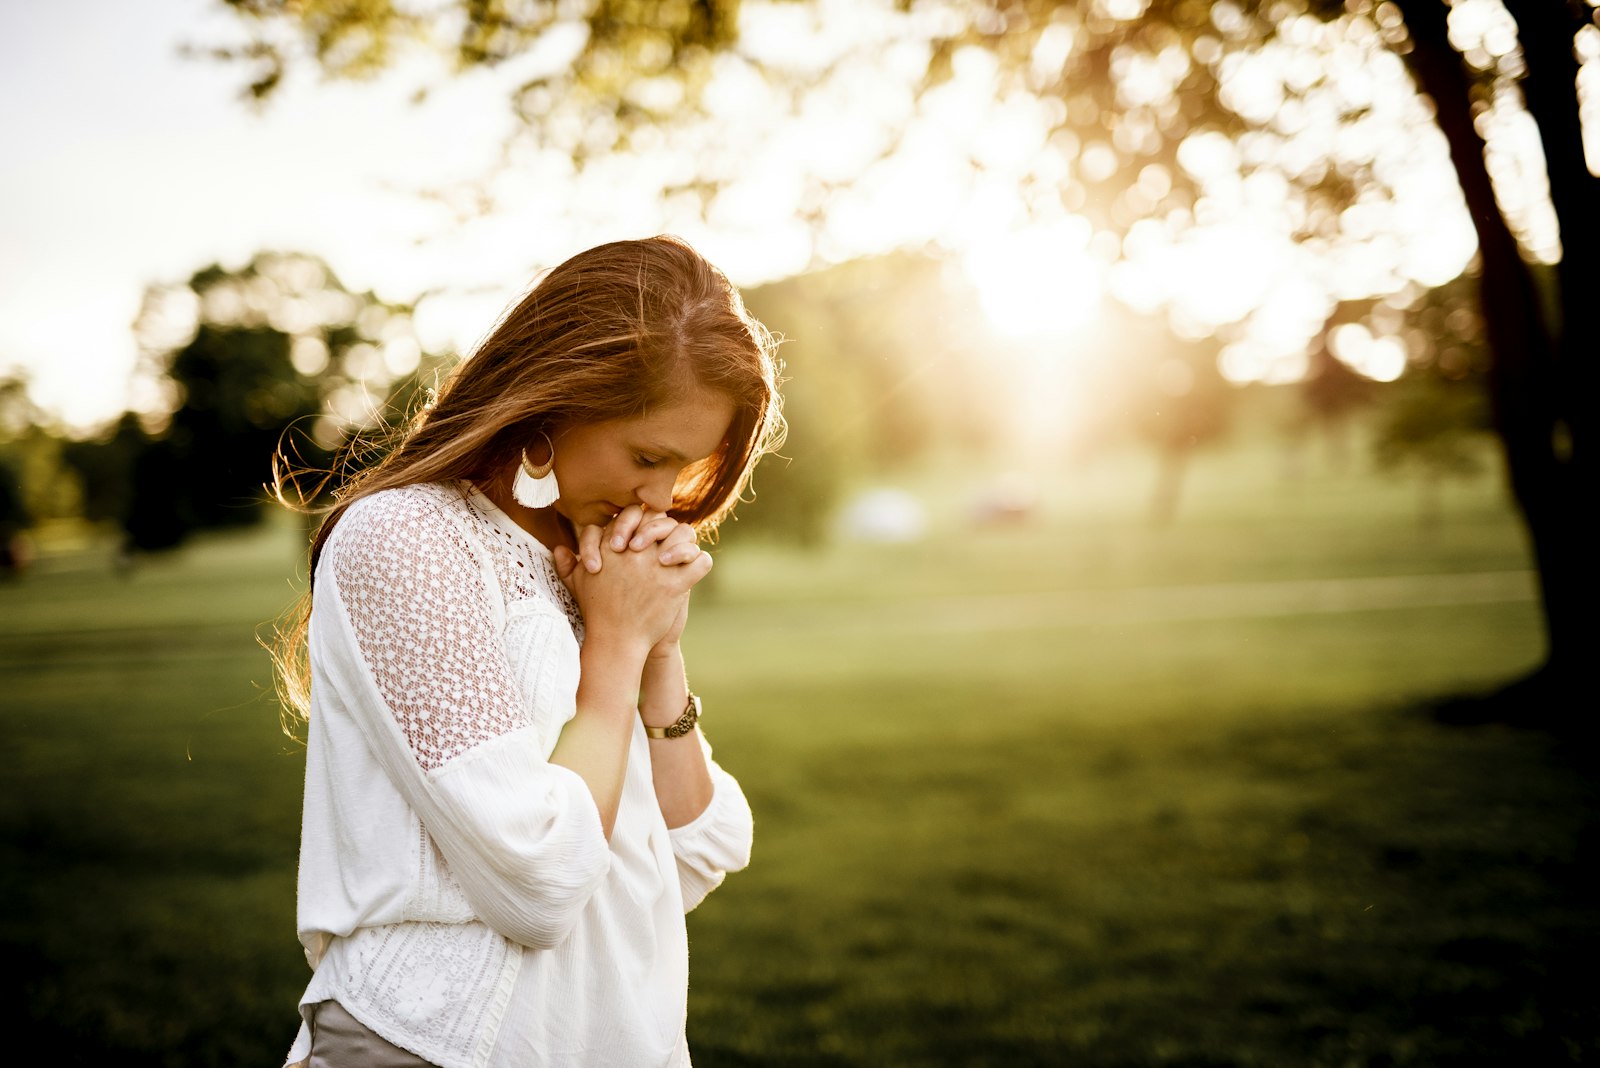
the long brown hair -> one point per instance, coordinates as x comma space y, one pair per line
611, 333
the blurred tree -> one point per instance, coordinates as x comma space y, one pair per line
42, 487
239, 394
1426, 427
16, 416
277, 354
17, 410
1541, 338
105, 467
885, 369
613, 71
1331, 390
1151, 105
1435, 419
1181, 404
794, 492
14, 519
1158, 387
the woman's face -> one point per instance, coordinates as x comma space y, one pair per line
604, 467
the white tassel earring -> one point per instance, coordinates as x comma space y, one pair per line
535, 487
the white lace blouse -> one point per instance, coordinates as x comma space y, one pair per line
456, 892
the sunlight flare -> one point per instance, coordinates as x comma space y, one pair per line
1038, 282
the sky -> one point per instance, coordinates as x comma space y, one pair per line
126, 165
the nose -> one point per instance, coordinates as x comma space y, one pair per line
656, 494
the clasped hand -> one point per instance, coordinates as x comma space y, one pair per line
625, 589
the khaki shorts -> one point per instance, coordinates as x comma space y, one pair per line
339, 1040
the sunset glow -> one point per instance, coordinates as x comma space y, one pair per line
1038, 281
444, 201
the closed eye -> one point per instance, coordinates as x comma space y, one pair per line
647, 461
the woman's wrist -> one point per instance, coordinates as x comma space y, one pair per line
614, 654
658, 710
663, 688
684, 724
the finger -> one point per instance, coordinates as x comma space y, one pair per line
589, 548
653, 530
699, 567
680, 547
566, 562
626, 522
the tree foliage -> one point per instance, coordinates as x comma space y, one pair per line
242, 363
1157, 119
883, 364
1432, 421
619, 67
1541, 339
39, 486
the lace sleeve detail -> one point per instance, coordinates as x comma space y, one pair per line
418, 601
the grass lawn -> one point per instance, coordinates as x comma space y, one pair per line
1071, 792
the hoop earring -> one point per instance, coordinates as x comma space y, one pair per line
535, 486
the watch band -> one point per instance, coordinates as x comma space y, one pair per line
680, 726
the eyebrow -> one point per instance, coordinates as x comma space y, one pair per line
653, 447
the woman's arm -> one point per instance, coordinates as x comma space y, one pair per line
633, 608
405, 641
701, 804
682, 776
594, 743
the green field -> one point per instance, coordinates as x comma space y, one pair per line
1074, 791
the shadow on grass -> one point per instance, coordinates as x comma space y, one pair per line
1558, 704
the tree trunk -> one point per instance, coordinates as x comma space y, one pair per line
1525, 386
1430, 506
1545, 29
1172, 462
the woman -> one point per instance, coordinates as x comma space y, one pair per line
509, 805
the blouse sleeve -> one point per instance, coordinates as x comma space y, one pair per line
715, 842
406, 635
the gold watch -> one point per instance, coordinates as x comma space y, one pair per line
680, 726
